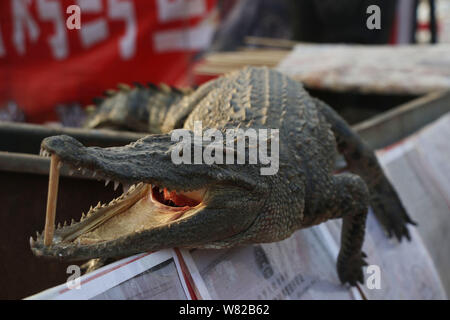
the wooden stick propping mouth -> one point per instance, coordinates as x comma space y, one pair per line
52, 198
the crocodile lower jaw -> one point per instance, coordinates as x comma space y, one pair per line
142, 206
141, 209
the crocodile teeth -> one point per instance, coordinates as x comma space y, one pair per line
116, 185
125, 188
107, 182
31, 242
44, 153
132, 187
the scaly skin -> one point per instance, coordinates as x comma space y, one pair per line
134, 109
241, 206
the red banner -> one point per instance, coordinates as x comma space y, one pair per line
46, 60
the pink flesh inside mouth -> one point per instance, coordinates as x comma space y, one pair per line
174, 201
151, 207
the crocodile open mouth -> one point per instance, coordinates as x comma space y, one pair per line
142, 206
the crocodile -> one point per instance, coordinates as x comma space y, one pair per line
224, 205
140, 108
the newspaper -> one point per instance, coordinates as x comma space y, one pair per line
153, 276
419, 169
406, 69
301, 267
406, 269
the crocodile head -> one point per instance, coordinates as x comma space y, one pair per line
167, 205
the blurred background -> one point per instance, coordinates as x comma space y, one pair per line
49, 73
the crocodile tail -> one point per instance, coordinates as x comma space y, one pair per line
361, 160
139, 108
161, 99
